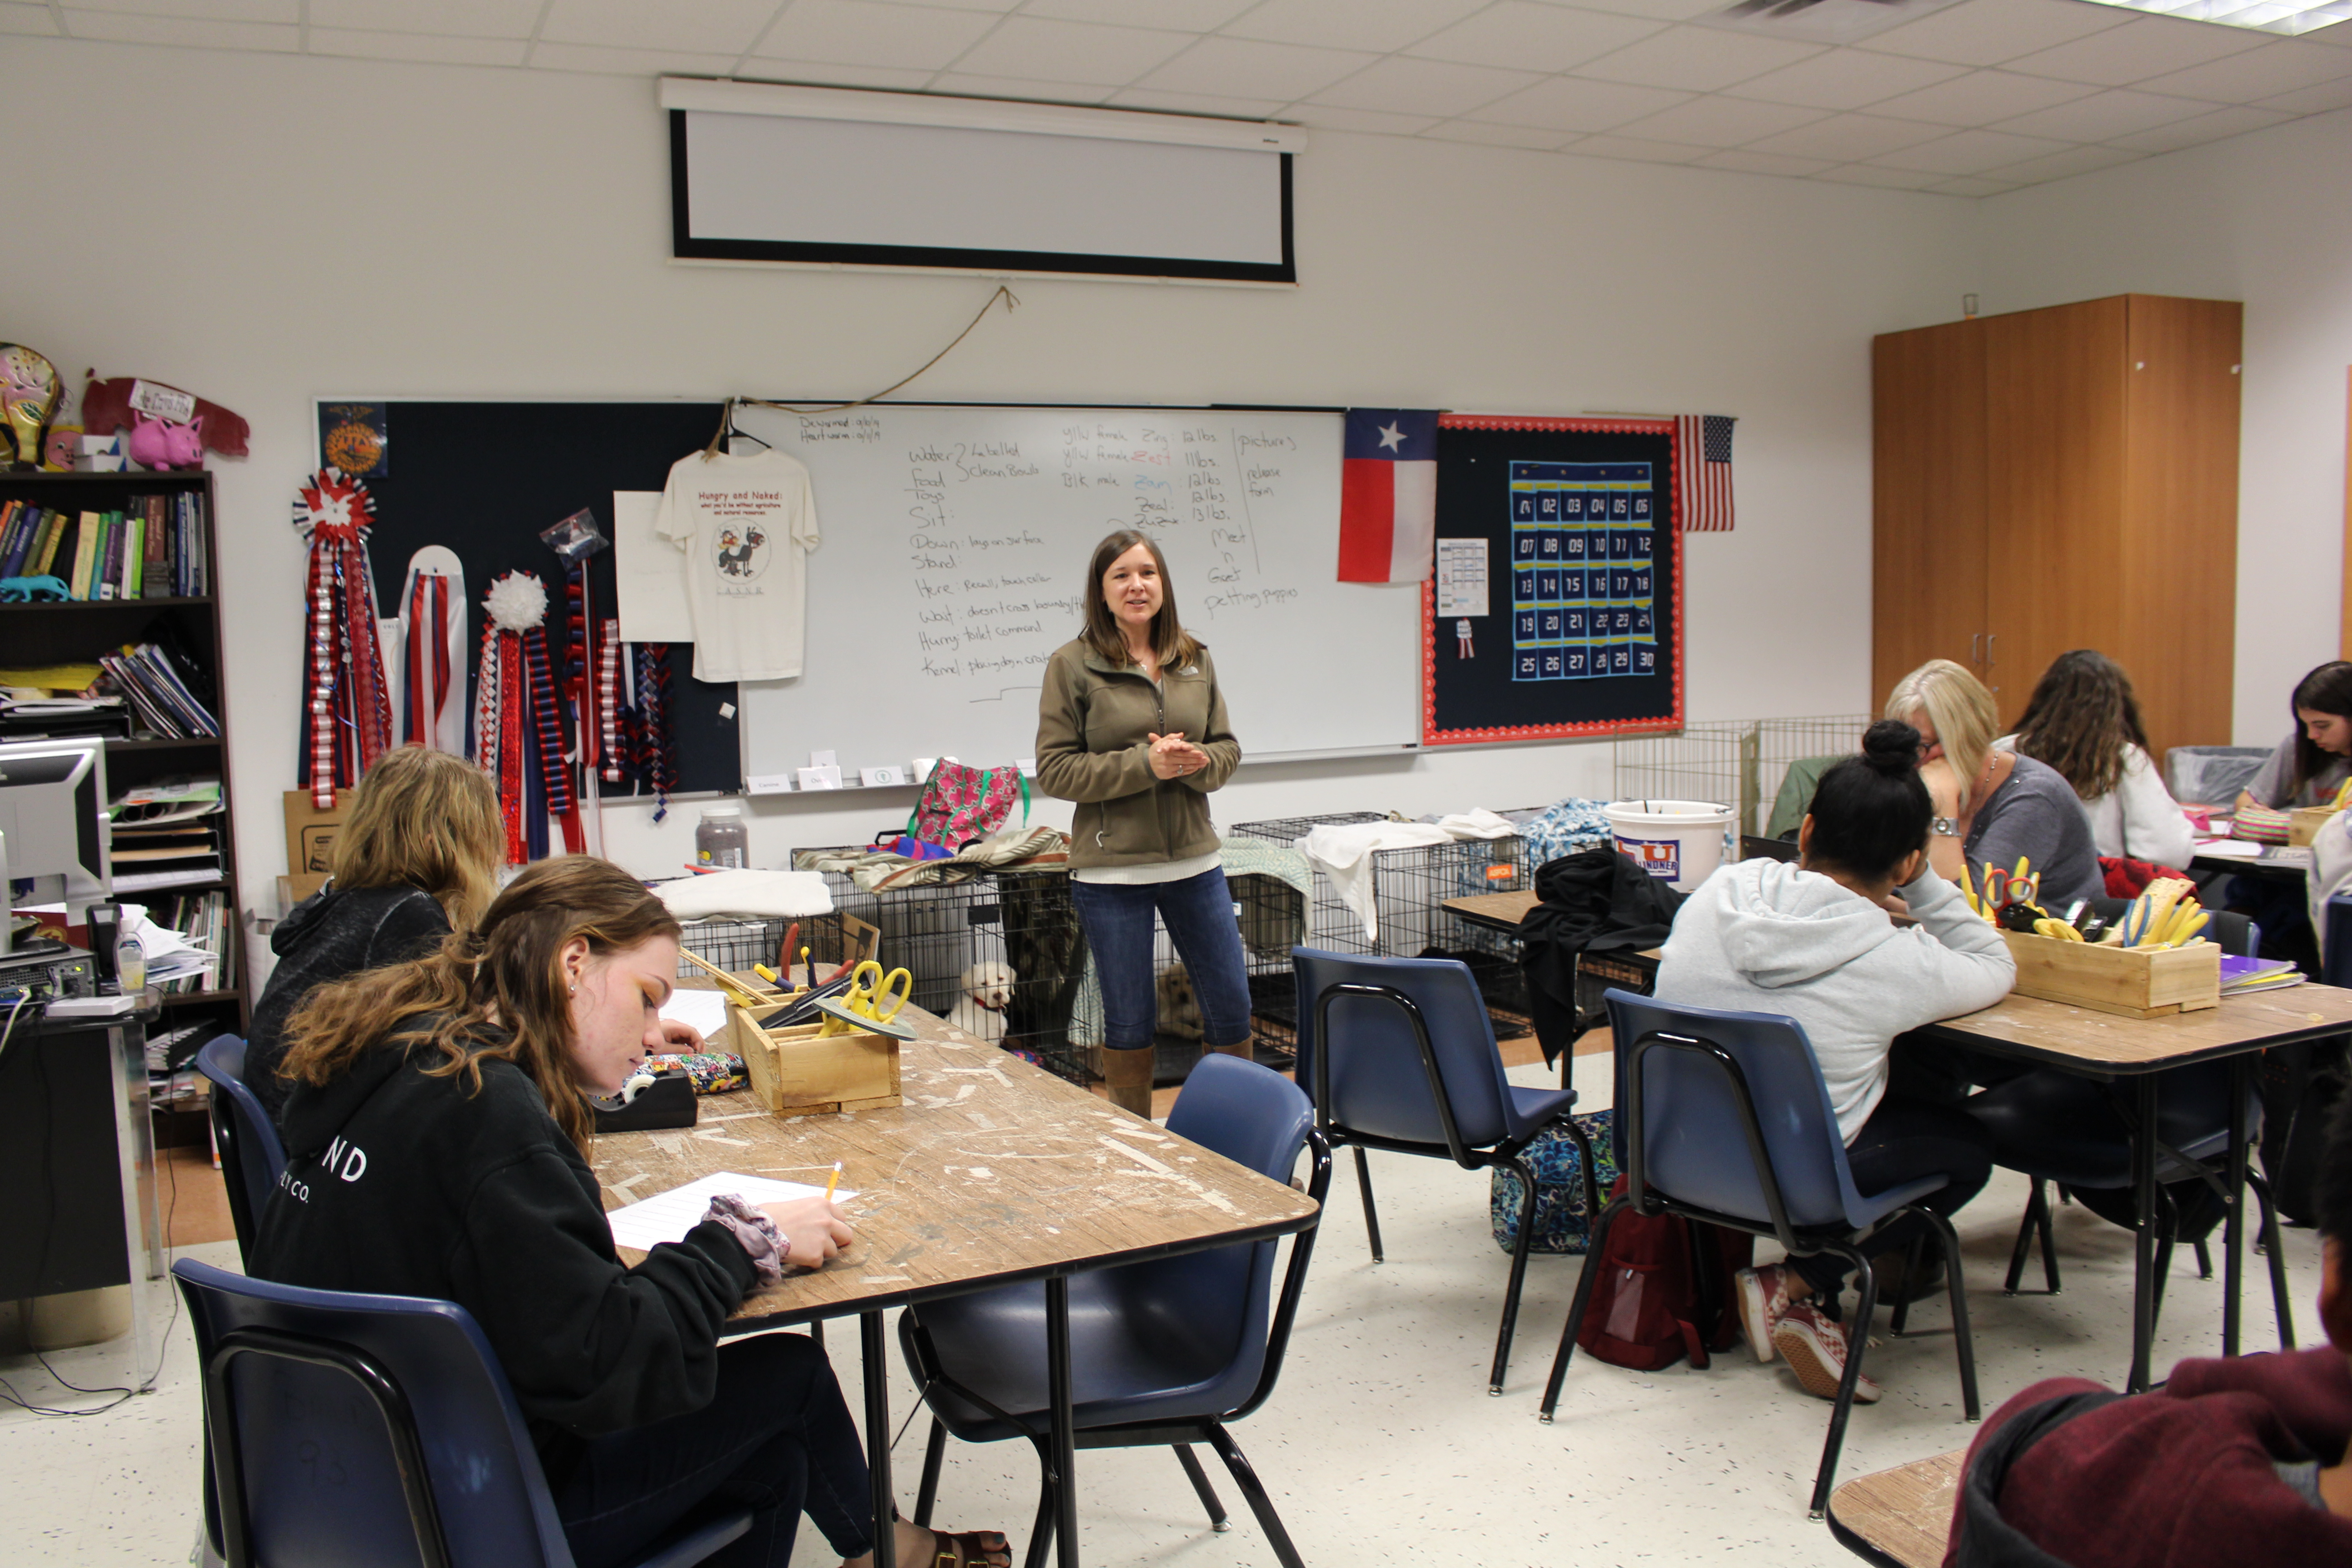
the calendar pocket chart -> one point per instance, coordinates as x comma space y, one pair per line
1584, 635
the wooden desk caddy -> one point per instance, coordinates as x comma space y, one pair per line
2130, 982
795, 1073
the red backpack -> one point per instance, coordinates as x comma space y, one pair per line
1645, 1312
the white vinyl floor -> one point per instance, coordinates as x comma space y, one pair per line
1381, 1444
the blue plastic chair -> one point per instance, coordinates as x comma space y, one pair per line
251, 1156
373, 1432
2335, 940
1401, 1055
1723, 1118
1164, 1352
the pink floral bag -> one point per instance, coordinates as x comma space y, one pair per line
961, 803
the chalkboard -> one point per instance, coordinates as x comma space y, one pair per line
1556, 610
954, 540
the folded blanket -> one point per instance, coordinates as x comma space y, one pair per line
878, 870
1478, 823
750, 895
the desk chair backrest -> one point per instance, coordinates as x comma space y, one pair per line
2335, 939
1224, 1300
1686, 1133
251, 1155
1378, 1082
364, 1431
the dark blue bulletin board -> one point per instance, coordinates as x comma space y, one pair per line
1556, 610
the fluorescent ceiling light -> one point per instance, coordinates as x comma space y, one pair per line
2288, 16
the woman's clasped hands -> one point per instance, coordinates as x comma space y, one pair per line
1173, 756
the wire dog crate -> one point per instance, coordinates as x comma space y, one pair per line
1738, 763
1408, 888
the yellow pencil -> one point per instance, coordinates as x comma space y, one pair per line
831, 1182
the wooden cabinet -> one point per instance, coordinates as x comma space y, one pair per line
2063, 478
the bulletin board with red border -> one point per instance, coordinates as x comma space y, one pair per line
1583, 629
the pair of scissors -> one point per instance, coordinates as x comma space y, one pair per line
2005, 890
861, 1006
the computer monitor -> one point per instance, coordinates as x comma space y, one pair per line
52, 824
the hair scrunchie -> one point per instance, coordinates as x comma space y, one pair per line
767, 1247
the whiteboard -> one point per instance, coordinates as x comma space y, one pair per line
954, 540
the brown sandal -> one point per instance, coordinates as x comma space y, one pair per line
968, 1549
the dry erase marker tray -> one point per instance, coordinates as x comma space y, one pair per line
2130, 982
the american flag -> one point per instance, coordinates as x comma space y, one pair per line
1703, 446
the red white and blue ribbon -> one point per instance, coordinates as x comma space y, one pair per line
518, 719
431, 689
346, 704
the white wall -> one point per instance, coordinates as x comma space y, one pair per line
2266, 218
287, 227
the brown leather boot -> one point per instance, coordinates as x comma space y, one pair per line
1244, 1050
1129, 1076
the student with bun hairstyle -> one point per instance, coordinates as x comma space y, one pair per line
1813, 940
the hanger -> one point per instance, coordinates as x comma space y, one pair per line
729, 432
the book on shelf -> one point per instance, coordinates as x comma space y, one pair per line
53, 535
154, 572
87, 529
160, 699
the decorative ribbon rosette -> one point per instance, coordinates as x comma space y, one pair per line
346, 705
517, 722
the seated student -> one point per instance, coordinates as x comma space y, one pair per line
1813, 940
1993, 807
2234, 1460
2311, 763
446, 1094
2084, 722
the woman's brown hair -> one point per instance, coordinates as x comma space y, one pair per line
2080, 719
496, 992
1175, 647
424, 820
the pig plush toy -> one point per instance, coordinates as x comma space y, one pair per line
161, 445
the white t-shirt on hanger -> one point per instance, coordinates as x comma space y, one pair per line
746, 524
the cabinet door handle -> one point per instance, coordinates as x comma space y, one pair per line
1976, 647
1988, 658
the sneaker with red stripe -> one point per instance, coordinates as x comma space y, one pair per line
1815, 1348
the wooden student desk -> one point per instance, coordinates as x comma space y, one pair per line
2101, 1045
992, 1172
1900, 1518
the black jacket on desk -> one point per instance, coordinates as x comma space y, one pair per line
405, 1184
332, 935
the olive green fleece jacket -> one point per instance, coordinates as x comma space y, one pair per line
1094, 721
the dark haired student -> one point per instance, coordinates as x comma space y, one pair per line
1813, 940
2311, 763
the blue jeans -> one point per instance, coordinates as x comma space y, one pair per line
1199, 914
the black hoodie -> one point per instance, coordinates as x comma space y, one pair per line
405, 1184
331, 935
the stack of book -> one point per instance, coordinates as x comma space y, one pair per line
167, 835
160, 701
63, 718
2240, 975
153, 548
203, 919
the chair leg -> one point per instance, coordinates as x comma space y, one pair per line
2024, 1239
1913, 1258
1584, 1282
2276, 1245
1857, 1339
1202, 1489
934, 1451
1524, 1242
1253, 1492
1964, 1344
1371, 1215
2204, 1259
1583, 1142
2049, 1243
1041, 1531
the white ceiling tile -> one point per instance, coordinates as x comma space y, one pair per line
1534, 37
1845, 78
601, 61
2213, 127
287, 11
1184, 15
1402, 86
2103, 116
1886, 179
37, 21
2287, 65
1988, 32
430, 48
1718, 122
1567, 103
822, 73
1246, 68
1377, 24
1700, 60
706, 27
1981, 98
1969, 153
1322, 116
1844, 138
2140, 49
1971, 185
848, 32
1070, 51
2312, 99
121, 28
1656, 10
1496, 135
1742, 161
2066, 165
1197, 103
1020, 87
1636, 148
458, 19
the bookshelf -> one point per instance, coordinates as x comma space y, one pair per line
37, 635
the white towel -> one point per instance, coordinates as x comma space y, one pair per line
1478, 823
753, 895
1345, 855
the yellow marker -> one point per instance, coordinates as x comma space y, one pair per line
832, 1181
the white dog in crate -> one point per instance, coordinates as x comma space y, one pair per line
979, 1011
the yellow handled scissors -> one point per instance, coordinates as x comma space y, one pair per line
869, 989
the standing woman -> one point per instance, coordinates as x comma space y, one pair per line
2311, 763
2084, 722
1133, 727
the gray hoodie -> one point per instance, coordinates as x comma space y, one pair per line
1764, 937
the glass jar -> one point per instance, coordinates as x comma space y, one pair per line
720, 839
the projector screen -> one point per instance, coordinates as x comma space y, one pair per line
774, 187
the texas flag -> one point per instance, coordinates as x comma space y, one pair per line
1388, 495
